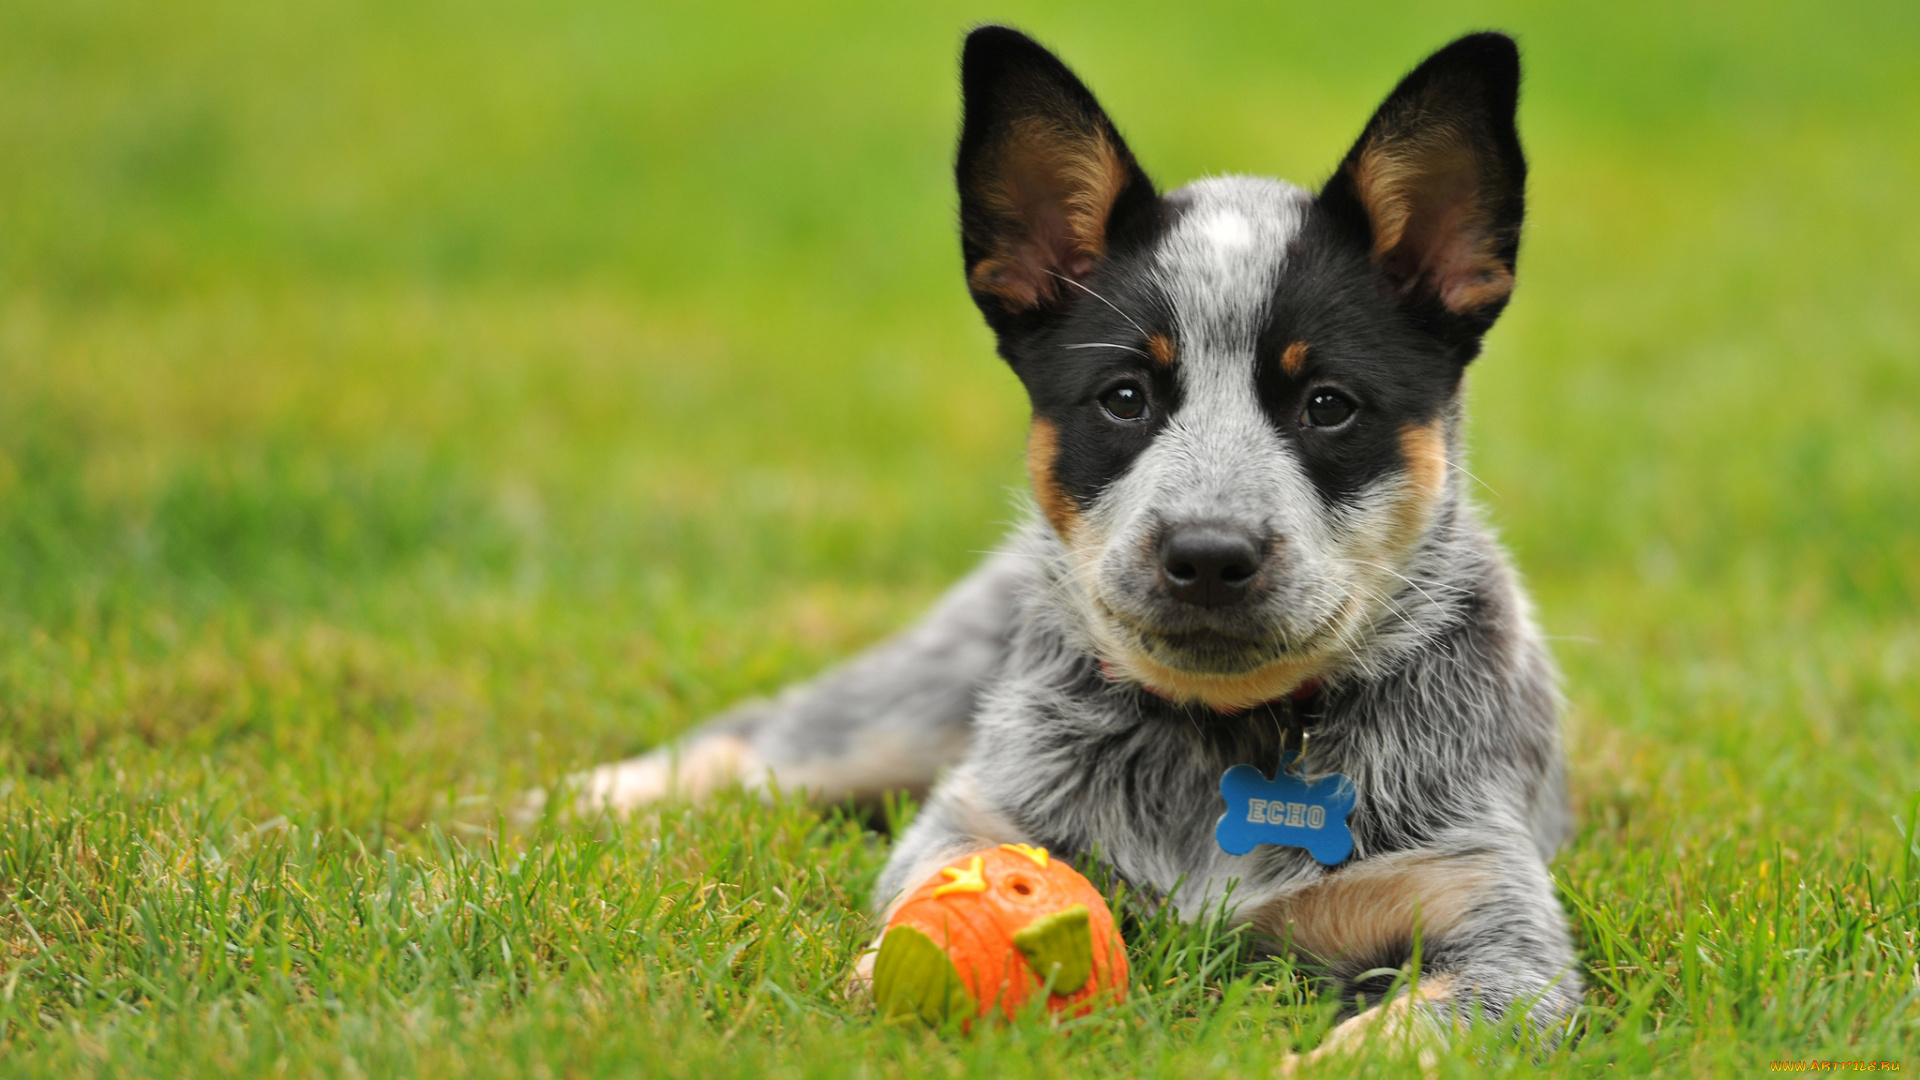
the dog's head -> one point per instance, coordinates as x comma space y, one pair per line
1244, 394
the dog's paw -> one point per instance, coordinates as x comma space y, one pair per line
690, 772
624, 786
1403, 1027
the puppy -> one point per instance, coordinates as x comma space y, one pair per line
1250, 536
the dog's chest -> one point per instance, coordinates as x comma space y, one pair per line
1141, 792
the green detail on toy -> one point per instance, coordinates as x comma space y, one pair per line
1060, 944
912, 976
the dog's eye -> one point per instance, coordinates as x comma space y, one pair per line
1328, 408
1125, 402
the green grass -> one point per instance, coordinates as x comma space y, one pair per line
400, 406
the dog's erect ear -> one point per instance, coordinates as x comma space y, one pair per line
1047, 189
1436, 186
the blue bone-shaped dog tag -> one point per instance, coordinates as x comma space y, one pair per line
1286, 810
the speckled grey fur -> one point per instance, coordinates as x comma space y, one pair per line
1439, 700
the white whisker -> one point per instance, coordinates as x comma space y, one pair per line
1102, 299
1440, 586
1462, 469
1426, 595
1395, 609
1108, 345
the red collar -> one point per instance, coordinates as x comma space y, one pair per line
1299, 693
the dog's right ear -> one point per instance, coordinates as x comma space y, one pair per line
1047, 189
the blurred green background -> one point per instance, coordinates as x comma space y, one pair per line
404, 403
582, 366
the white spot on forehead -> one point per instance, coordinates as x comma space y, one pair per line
1219, 456
1225, 230
1220, 263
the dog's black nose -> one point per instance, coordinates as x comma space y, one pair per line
1208, 565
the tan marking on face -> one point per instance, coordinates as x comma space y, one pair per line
1294, 358
1423, 447
1373, 906
1160, 347
1043, 447
1421, 200
1052, 190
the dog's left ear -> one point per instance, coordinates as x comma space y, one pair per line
1436, 186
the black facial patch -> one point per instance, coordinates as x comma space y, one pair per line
1361, 342
1097, 343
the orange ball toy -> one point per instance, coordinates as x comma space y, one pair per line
991, 930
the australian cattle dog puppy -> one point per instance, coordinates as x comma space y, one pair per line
1252, 547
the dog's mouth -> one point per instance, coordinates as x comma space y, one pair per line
1228, 658
1205, 653
1212, 651
1226, 673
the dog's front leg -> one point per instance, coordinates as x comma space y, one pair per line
1482, 919
889, 719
